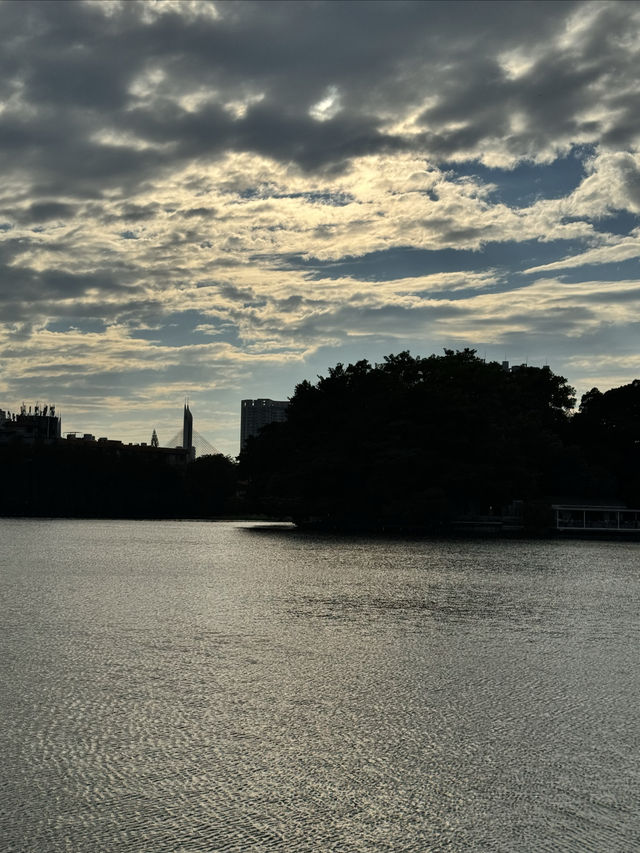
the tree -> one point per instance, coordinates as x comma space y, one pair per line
211, 486
607, 427
411, 442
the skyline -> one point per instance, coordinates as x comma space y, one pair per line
219, 200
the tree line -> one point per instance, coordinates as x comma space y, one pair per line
419, 442
84, 480
412, 443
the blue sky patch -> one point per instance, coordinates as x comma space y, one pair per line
392, 264
181, 329
622, 222
618, 271
85, 325
528, 182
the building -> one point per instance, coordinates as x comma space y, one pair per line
39, 423
255, 414
575, 518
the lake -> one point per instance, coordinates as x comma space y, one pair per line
193, 686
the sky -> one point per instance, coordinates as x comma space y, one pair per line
217, 200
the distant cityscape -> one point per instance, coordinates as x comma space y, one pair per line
36, 423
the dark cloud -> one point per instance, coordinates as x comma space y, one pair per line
138, 212
268, 128
29, 293
199, 212
75, 70
554, 99
44, 211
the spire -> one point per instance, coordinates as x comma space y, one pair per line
187, 430
154, 439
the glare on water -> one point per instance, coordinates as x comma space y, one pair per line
172, 686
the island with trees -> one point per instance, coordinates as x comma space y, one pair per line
431, 443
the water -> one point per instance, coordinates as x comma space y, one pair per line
174, 686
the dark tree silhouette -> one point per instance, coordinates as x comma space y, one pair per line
607, 428
411, 442
85, 480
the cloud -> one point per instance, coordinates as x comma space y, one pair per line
217, 196
627, 248
167, 79
613, 183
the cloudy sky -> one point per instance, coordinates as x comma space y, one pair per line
220, 199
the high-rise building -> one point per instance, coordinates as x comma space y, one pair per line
255, 414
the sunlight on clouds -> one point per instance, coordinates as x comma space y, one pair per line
114, 351
238, 108
285, 213
604, 371
328, 107
518, 122
624, 249
194, 101
121, 139
586, 306
410, 124
630, 363
290, 216
502, 153
516, 63
146, 84
109, 9
579, 24
151, 10
613, 182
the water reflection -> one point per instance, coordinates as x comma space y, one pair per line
206, 687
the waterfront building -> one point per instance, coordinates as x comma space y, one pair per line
575, 518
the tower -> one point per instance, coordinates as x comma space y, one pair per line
187, 431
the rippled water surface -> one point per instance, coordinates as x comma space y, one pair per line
174, 686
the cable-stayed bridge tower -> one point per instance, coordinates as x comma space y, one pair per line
187, 431
190, 439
